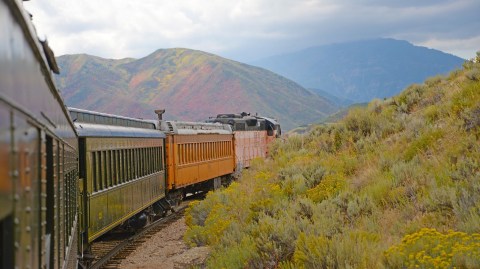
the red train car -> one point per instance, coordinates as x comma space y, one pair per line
252, 135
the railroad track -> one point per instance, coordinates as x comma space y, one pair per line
110, 252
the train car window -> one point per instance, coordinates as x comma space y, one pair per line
137, 164
270, 128
184, 151
181, 154
134, 163
130, 164
116, 166
94, 171
141, 164
144, 162
220, 144
153, 158
210, 150
98, 171
149, 160
120, 166
187, 152
112, 168
199, 154
191, 154
157, 160
105, 170
101, 171
127, 166
205, 152
214, 150
109, 169
262, 125
195, 152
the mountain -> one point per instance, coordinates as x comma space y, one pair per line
191, 85
362, 70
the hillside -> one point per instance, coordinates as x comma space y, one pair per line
190, 85
362, 70
392, 185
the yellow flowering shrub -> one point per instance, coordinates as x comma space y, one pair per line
429, 248
330, 186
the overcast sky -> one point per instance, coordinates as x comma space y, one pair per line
247, 30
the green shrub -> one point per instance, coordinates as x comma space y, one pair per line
422, 143
432, 81
473, 74
355, 250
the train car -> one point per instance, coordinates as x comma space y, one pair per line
252, 135
38, 152
121, 169
200, 156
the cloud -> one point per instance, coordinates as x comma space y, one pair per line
248, 29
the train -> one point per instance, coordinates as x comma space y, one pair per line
68, 176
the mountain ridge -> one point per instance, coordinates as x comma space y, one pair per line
361, 70
189, 84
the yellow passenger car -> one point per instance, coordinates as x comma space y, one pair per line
199, 155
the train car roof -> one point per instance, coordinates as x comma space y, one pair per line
273, 121
94, 117
190, 128
100, 130
46, 63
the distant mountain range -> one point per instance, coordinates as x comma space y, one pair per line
191, 85
362, 70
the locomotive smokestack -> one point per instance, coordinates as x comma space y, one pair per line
159, 113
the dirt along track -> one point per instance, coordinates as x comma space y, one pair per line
166, 249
